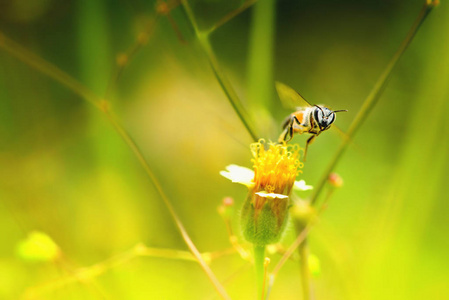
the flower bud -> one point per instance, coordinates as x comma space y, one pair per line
226, 207
335, 180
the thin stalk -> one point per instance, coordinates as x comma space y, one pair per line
60, 76
227, 88
374, 96
259, 264
123, 59
246, 267
231, 15
298, 241
86, 274
48, 69
126, 137
234, 100
142, 250
191, 17
363, 113
80, 275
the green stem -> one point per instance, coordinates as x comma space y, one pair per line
374, 96
60, 76
226, 86
138, 153
259, 262
48, 69
234, 100
231, 15
366, 109
260, 69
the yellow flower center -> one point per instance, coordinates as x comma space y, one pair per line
275, 168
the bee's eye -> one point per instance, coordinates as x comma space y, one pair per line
318, 115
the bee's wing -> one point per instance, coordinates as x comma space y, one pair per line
289, 97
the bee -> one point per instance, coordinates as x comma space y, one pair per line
312, 119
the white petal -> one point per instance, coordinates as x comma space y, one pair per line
301, 186
238, 174
271, 195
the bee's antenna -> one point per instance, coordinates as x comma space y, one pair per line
340, 110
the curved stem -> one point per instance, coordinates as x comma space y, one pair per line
220, 289
231, 15
227, 88
57, 74
299, 239
85, 274
231, 95
48, 69
374, 96
124, 58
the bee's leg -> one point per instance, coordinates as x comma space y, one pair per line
309, 141
287, 122
287, 134
290, 130
295, 119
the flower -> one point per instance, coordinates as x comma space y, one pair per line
265, 212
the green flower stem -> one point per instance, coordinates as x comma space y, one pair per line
374, 96
60, 76
48, 69
130, 142
259, 263
260, 71
234, 100
129, 54
98, 269
226, 86
231, 15
302, 227
366, 109
299, 239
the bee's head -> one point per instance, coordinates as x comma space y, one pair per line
324, 116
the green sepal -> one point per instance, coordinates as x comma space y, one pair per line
266, 224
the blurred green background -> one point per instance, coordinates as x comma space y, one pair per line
66, 172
